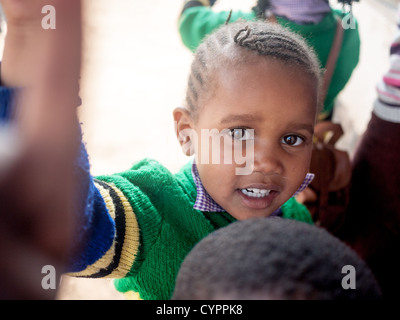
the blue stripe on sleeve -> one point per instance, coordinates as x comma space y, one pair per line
6, 97
97, 228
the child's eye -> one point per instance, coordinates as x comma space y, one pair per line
292, 140
241, 134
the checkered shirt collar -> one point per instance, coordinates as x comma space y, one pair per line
204, 202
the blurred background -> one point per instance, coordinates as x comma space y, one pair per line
135, 69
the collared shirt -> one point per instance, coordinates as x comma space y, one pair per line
204, 202
300, 11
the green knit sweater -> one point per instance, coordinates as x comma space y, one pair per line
195, 23
156, 226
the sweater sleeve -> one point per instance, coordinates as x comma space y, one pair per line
113, 235
197, 22
109, 232
6, 98
97, 230
96, 235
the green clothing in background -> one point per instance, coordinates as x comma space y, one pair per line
195, 23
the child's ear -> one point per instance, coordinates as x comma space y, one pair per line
184, 130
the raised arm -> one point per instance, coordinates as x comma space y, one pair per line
54, 54
41, 136
82, 226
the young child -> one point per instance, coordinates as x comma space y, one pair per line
312, 19
256, 86
273, 259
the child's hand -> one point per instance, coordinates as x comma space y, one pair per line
36, 189
26, 37
21, 12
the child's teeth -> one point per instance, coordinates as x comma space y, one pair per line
256, 193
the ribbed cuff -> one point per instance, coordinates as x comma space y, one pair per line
387, 112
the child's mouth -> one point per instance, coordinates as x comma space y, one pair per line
257, 198
256, 193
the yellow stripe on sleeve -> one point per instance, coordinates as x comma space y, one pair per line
107, 258
130, 246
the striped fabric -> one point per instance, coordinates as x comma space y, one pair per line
387, 105
204, 202
118, 260
307, 180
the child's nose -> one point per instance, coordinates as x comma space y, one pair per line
267, 159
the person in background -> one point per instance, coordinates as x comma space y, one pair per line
313, 19
372, 220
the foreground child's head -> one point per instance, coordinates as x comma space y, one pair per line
273, 258
250, 112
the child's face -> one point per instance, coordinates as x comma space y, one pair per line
273, 107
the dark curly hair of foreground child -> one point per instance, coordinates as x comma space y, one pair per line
274, 258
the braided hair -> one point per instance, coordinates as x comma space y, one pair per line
243, 42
